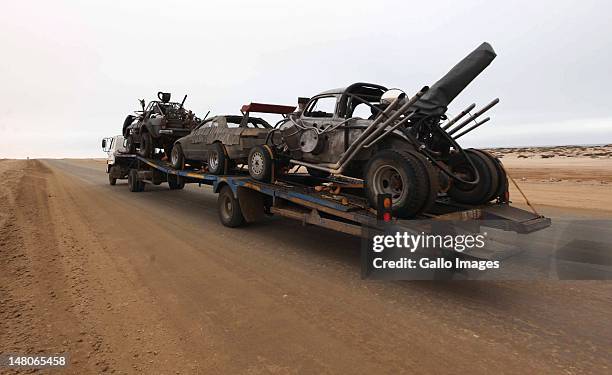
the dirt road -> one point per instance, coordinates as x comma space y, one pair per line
151, 282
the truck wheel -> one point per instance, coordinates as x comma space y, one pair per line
146, 145
112, 180
402, 175
228, 206
177, 158
480, 193
261, 163
134, 183
217, 159
176, 182
113, 172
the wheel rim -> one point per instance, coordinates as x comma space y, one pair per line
227, 207
213, 161
257, 163
388, 180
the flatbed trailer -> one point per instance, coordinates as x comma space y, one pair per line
312, 200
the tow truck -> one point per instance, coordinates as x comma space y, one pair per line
335, 203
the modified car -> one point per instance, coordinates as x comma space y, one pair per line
398, 145
222, 142
157, 126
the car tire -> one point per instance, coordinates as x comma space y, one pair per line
229, 209
176, 182
177, 157
402, 175
131, 146
217, 159
485, 189
261, 163
146, 145
134, 184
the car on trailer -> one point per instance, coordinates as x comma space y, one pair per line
157, 126
222, 142
395, 144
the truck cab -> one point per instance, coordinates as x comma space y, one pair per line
114, 146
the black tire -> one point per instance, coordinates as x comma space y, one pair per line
401, 174
126, 123
146, 145
134, 183
228, 208
131, 146
317, 173
261, 163
217, 159
176, 182
434, 180
177, 157
480, 193
112, 180
502, 178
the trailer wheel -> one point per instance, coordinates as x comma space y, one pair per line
177, 157
146, 145
217, 159
260, 163
134, 183
228, 206
480, 193
176, 182
402, 175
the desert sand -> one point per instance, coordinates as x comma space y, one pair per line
153, 283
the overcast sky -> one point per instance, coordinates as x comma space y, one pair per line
70, 71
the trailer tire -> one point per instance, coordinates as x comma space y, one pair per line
176, 182
217, 159
482, 192
229, 209
261, 163
134, 184
402, 175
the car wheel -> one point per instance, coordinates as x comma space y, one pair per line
177, 158
401, 175
261, 163
485, 189
229, 209
131, 146
146, 145
217, 159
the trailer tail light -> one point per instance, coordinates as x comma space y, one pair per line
384, 207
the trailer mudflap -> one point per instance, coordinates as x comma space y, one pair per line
507, 217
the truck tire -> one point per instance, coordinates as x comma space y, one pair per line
176, 182
228, 207
261, 163
134, 184
402, 175
217, 159
112, 180
146, 145
177, 158
113, 172
480, 193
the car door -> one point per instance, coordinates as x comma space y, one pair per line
320, 112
